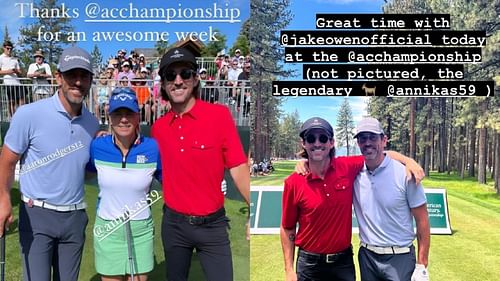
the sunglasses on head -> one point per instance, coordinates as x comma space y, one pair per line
185, 74
312, 138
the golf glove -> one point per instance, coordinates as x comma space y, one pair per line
223, 187
420, 273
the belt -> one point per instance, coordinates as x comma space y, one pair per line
59, 208
326, 258
196, 220
392, 250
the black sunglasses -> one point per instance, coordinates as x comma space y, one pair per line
185, 74
362, 138
312, 139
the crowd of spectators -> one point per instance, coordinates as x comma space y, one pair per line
225, 81
263, 168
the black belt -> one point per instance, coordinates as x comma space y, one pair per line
195, 220
326, 258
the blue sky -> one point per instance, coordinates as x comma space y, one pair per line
11, 17
304, 19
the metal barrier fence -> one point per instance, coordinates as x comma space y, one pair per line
237, 98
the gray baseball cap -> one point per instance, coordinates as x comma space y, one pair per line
369, 125
74, 57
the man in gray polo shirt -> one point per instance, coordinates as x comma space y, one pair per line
385, 204
51, 139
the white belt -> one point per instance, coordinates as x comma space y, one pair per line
386, 250
59, 208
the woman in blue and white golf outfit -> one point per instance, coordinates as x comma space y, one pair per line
126, 164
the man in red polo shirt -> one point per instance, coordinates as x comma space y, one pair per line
197, 141
321, 204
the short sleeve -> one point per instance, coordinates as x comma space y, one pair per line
31, 69
415, 194
19, 134
231, 144
289, 212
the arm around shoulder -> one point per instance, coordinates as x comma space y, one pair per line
412, 167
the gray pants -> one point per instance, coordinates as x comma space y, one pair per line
376, 267
51, 242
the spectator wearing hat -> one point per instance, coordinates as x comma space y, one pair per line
10, 69
140, 66
109, 74
192, 134
386, 204
126, 164
116, 67
134, 63
121, 56
237, 54
232, 81
203, 76
51, 139
321, 204
142, 59
39, 72
126, 72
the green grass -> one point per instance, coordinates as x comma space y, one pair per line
282, 170
472, 253
236, 211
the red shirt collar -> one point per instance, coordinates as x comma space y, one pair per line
331, 167
194, 112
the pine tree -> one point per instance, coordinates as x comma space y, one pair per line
288, 140
96, 55
213, 47
267, 18
6, 37
161, 47
29, 35
345, 126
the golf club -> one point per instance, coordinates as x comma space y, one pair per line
128, 233
2, 257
